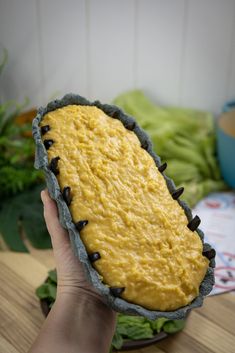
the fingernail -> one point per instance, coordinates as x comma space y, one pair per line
43, 192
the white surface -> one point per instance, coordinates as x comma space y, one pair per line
217, 213
180, 52
209, 34
159, 48
19, 34
63, 47
111, 41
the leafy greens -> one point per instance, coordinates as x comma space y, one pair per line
128, 327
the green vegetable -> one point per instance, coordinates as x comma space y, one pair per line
20, 207
134, 327
158, 325
117, 341
16, 149
128, 327
24, 211
184, 138
47, 290
173, 326
52, 276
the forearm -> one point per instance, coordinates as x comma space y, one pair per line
76, 327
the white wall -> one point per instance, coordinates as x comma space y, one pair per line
181, 52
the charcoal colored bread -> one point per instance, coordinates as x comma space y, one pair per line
113, 295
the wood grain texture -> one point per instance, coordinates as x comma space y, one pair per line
210, 329
5, 346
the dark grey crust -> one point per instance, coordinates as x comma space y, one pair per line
41, 162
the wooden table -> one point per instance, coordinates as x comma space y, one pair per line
210, 329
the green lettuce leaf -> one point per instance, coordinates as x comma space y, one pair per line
25, 211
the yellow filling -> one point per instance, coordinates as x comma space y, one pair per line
139, 230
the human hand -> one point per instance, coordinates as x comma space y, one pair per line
79, 320
70, 274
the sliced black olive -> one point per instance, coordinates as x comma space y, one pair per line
81, 224
48, 143
54, 165
162, 167
115, 114
145, 145
177, 193
194, 223
116, 291
210, 254
45, 129
66, 193
94, 256
131, 126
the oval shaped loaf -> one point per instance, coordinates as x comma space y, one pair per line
136, 240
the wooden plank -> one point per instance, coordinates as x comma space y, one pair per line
24, 297
212, 309
150, 349
45, 256
213, 337
25, 266
227, 299
20, 314
16, 327
6, 347
182, 343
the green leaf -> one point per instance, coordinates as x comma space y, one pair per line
43, 291
158, 324
173, 326
46, 291
140, 331
53, 276
133, 327
52, 290
129, 320
117, 341
27, 209
14, 179
9, 228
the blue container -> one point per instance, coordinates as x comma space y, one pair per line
228, 106
226, 145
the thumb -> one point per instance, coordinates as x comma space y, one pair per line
69, 268
59, 236
67, 263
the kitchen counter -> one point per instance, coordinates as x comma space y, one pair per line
210, 329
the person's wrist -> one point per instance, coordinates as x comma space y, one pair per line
77, 295
93, 321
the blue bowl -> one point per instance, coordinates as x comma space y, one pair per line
230, 105
226, 145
